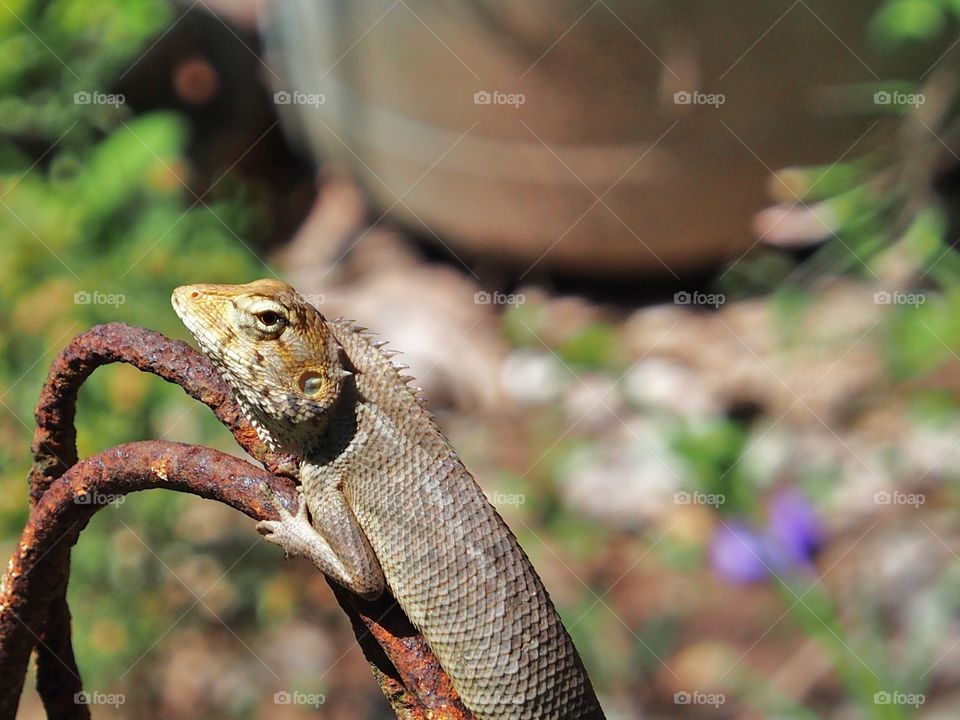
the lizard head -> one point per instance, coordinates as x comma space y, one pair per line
274, 349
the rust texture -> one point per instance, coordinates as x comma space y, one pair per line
54, 451
55, 437
37, 569
33, 607
405, 650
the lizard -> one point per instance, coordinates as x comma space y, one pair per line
386, 503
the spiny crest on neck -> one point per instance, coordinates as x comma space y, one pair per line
376, 362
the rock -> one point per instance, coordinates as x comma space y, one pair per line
531, 377
927, 453
769, 452
660, 384
700, 667
626, 481
792, 226
592, 402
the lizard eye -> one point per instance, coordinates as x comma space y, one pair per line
271, 320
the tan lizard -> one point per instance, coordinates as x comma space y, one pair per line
390, 504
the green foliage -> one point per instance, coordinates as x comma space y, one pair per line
812, 609
595, 347
890, 236
523, 324
922, 338
97, 225
713, 454
900, 21
821, 182
925, 334
789, 304
933, 407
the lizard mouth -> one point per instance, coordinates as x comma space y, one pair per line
183, 300
180, 300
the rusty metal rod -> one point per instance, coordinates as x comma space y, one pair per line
403, 665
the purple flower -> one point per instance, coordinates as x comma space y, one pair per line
736, 553
794, 526
743, 554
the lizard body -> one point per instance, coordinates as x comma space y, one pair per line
390, 504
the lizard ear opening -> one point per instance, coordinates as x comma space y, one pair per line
312, 382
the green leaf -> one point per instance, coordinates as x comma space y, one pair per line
594, 347
900, 21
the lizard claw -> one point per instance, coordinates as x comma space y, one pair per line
267, 527
271, 531
287, 532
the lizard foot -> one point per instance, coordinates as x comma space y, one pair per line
293, 533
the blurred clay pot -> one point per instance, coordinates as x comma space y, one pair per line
608, 139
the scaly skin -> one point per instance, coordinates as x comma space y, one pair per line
390, 504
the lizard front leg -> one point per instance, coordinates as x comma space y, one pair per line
333, 542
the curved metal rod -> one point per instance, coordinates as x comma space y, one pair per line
35, 612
